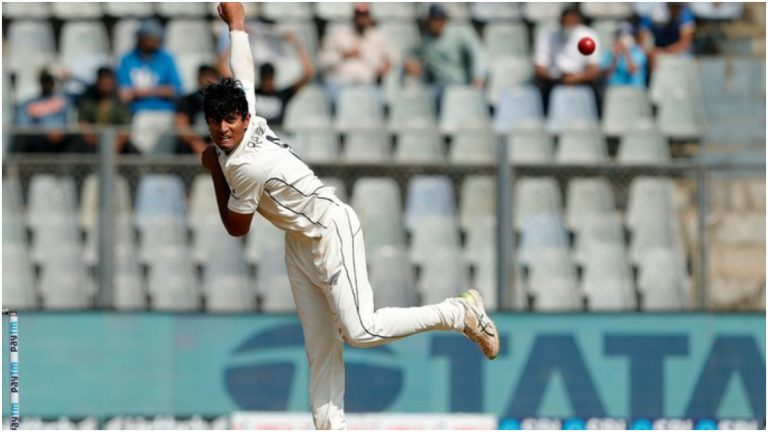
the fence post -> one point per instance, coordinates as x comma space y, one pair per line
106, 217
504, 246
703, 199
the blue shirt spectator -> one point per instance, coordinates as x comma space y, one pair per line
672, 28
625, 64
51, 108
147, 76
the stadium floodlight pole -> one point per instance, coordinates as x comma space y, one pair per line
13, 355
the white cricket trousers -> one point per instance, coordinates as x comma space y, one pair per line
334, 300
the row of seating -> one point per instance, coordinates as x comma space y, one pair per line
479, 11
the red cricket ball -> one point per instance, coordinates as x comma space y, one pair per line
586, 45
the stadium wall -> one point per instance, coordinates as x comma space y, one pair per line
558, 366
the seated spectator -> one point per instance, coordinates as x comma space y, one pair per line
557, 59
147, 76
625, 64
671, 27
51, 109
271, 102
100, 106
357, 55
189, 114
448, 54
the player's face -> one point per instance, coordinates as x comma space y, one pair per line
228, 132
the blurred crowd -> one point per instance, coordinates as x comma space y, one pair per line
147, 79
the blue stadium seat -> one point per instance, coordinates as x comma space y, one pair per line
516, 106
463, 107
508, 72
569, 104
160, 195
429, 196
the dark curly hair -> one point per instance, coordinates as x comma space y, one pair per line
223, 99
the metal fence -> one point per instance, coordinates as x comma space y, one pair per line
691, 179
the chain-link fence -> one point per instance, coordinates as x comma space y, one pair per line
575, 237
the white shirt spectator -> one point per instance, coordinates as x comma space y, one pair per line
559, 53
374, 52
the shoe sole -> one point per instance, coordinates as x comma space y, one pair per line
479, 301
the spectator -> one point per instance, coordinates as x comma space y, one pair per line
357, 55
147, 76
51, 109
625, 64
101, 106
189, 114
671, 28
271, 102
557, 59
448, 54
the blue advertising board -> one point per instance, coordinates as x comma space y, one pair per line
559, 366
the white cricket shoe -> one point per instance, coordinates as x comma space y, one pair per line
478, 327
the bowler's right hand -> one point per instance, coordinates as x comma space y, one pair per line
233, 14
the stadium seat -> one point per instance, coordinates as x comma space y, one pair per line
478, 200
614, 10
161, 235
433, 233
582, 143
542, 11
392, 279
286, 11
310, 108
57, 231
72, 10
444, 275
18, 284
226, 283
429, 196
473, 147
368, 146
202, 201
64, 283
587, 198
188, 66
643, 144
160, 195
124, 37
317, 145
334, 11
306, 31
211, 238
655, 230
189, 36
412, 107
393, 11
147, 128
274, 287
597, 230
505, 39
89, 200
84, 49
377, 202
530, 142
30, 45
508, 72
481, 240
50, 196
263, 238
662, 282
172, 284
607, 280
463, 107
721, 11
491, 11
419, 146
552, 281
673, 73
517, 105
173, 9
535, 195
648, 8
129, 290
359, 108
570, 104
605, 29
645, 192
679, 116
404, 35
19, 10
14, 231
129, 9
123, 238
540, 232
624, 106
